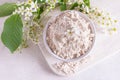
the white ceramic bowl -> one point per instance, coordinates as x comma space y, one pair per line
56, 56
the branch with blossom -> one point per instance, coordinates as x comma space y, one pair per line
24, 22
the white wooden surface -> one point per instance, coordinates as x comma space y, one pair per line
30, 65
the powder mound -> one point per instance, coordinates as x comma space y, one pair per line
69, 35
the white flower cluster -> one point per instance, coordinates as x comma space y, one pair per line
31, 28
104, 20
25, 11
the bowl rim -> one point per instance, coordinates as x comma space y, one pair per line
92, 26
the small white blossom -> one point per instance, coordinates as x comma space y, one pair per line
27, 18
76, 30
28, 12
15, 12
34, 6
29, 2
21, 10
87, 9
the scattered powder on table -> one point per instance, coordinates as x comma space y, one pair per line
69, 35
69, 68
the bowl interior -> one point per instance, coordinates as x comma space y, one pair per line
74, 59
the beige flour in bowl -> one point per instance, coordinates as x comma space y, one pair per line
69, 35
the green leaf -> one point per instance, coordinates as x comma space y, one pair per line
87, 2
40, 11
12, 32
60, 0
65, 1
74, 5
40, 1
63, 7
7, 9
